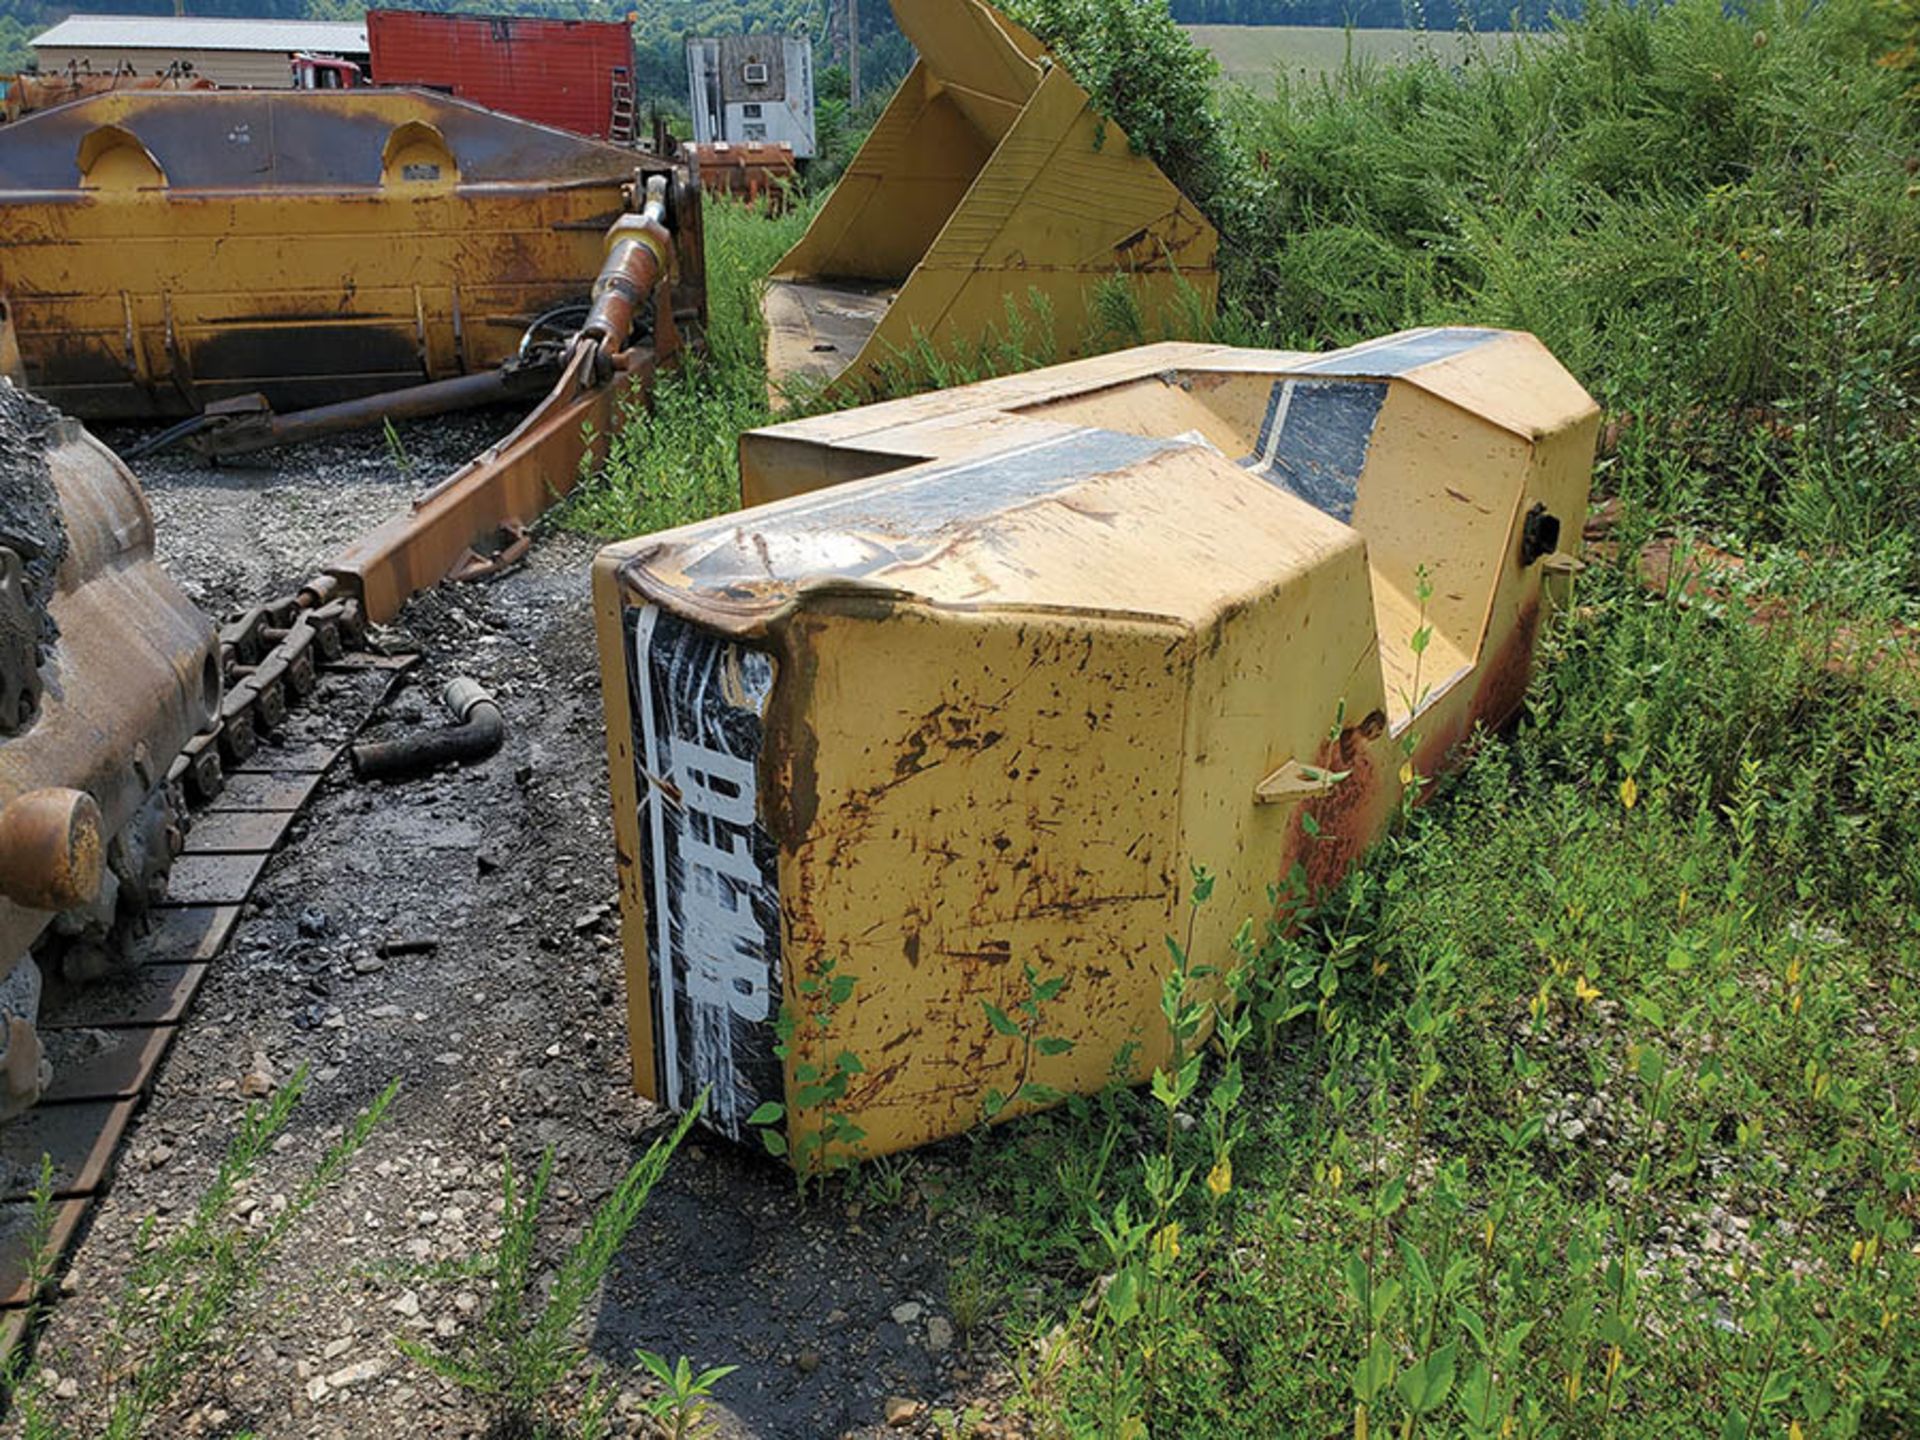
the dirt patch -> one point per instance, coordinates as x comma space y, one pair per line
508, 1038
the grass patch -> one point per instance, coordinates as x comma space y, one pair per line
1259, 56
1587, 1107
522, 1355
184, 1307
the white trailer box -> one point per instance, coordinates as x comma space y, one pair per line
752, 88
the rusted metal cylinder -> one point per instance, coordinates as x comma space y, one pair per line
438, 397
638, 251
51, 849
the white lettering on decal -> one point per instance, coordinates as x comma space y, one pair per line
723, 941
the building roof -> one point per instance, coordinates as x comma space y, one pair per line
166, 32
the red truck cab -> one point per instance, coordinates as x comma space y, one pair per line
325, 72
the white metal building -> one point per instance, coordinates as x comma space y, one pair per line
228, 52
753, 87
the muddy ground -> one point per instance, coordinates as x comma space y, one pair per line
507, 1037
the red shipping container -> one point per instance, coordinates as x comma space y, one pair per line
572, 74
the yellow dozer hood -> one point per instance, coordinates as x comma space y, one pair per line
990, 181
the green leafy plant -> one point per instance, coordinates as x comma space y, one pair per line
681, 1405
1024, 1025
817, 1136
397, 452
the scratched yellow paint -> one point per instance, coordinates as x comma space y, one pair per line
1042, 645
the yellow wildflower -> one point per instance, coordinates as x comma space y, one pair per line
1220, 1177
1629, 791
1587, 993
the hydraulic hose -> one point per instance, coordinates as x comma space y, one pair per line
477, 733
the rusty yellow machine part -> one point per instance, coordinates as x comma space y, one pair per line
961, 702
107, 670
652, 268
28, 93
989, 180
169, 250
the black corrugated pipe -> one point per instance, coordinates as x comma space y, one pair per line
477, 734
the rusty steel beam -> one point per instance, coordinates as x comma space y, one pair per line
243, 427
508, 486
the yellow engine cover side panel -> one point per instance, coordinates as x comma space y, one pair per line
1287, 683
980, 810
1010, 660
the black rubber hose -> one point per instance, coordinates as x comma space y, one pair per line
477, 734
170, 436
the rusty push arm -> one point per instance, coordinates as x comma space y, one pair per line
242, 427
510, 484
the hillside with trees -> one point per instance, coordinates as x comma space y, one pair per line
1377, 14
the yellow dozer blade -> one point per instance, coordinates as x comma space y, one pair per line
166, 250
990, 181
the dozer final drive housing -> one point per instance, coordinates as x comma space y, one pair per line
984, 673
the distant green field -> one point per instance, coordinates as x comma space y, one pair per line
1254, 54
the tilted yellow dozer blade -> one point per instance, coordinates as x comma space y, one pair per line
989, 180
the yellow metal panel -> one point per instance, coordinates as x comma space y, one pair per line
312, 246
979, 881
990, 178
887, 208
924, 729
987, 73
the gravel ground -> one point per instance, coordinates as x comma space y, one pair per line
258, 526
508, 1038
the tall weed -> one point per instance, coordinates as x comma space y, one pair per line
179, 1311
